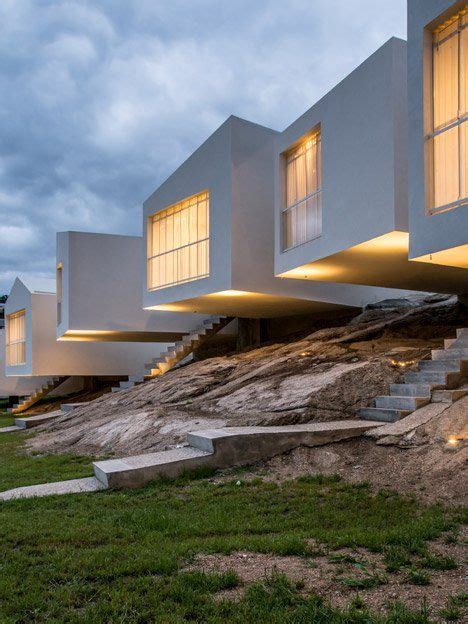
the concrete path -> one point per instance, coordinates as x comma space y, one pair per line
216, 448
220, 448
35, 421
73, 486
10, 429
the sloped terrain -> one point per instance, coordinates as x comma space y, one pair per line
326, 375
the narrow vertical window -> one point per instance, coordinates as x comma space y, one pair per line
178, 243
301, 218
16, 338
59, 293
446, 144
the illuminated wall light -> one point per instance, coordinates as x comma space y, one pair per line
452, 441
230, 293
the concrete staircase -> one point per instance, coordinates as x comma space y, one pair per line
167, 360
29, 401
438, 379
221, 448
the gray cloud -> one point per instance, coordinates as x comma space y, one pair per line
99, 101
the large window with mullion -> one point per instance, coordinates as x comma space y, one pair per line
447, 141
301, 218
16, 338
179, 243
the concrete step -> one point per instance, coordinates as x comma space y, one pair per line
449, 396
409, 403
434, 378
452, 366
448, 342
35, 421
69, 407
381, 414
116, 389
127, 384
410, 389
10, 429
219, 448
462, 332
450, 354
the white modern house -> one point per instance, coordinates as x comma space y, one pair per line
99, 293
32, 349
438, 132
210, 231
341, 183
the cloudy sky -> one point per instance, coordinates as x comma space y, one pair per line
101, 99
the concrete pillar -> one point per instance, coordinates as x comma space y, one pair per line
251, 332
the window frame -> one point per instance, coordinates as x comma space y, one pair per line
9, 343
431, 130
163, 214
315, 133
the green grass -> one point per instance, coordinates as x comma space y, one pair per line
6, 419
18, 468
119, 556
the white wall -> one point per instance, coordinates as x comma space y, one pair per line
428, 234
102, 291
48, 357
15, 386
364, 167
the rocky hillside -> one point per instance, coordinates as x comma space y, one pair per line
326, 375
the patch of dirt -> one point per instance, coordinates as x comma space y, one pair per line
423, 465
327, 375
329, 575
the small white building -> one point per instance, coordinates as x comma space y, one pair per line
33, 350
99, 292
210, 231
438, 132
341, 186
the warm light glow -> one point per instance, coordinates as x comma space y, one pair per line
308, 271
391, 242
301, 217
452, 441
456, 257
230, 293
446, 144
16, 338
178, 246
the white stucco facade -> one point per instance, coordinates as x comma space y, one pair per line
445, 235
47, 356
235, 167
101, 292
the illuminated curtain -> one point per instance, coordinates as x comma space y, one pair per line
16, 338
178, 243
302, 215
448, 140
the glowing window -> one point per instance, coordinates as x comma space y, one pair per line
447, 143
301, 216
178, 243
16, 338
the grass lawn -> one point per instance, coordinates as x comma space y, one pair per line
119, 557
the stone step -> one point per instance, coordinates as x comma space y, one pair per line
136, 378
448, 342
72, 486
116, 389
434, 378
449, 396
409, 403
410, 389
35, 421
381, 414
127, 384
10, 429
219, 448
462, 332
69, 407
452, 366
450, 354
